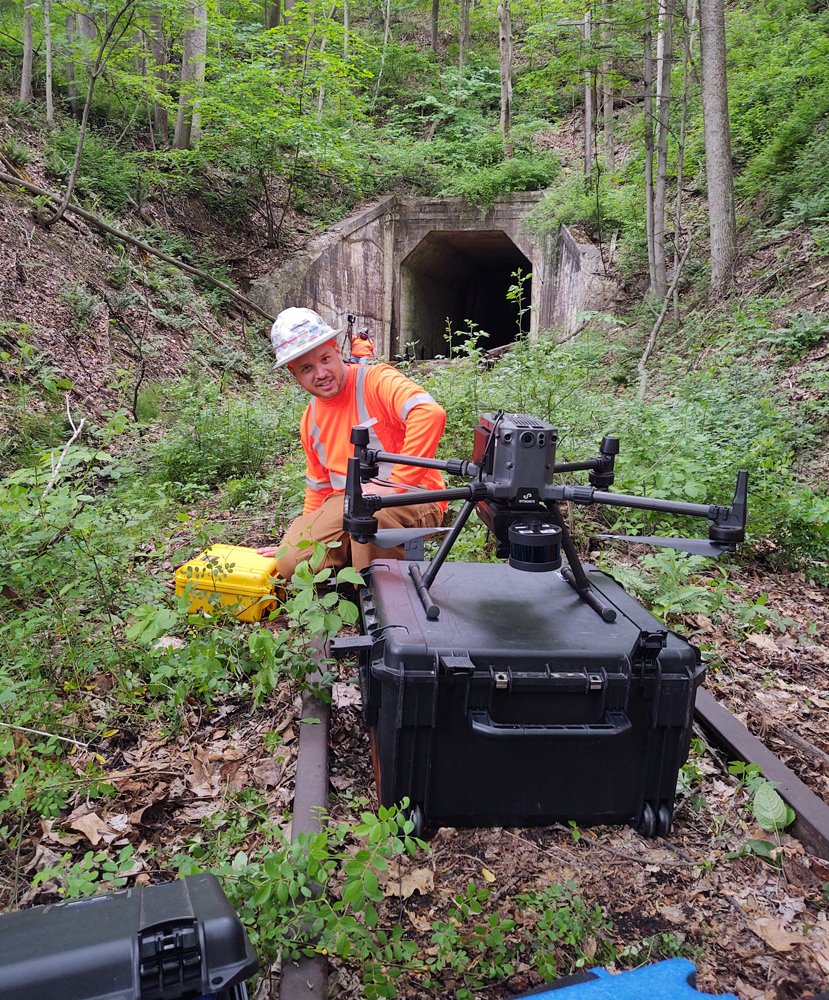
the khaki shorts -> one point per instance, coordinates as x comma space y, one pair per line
326, 525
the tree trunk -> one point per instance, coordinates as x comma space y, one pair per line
160, 58
346, 28
607, 92
505, 63
434, 24
683, 129
463, 37
588, 105
274, 13
718, 167
664, 61
194, 52
114, 33
89, 32
47, 28
28, 53
648, 112
69, 68
386, 30
323, 44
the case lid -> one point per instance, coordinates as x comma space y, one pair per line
164, 942
494, 612
230, 568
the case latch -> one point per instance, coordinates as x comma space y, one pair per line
453, 665
170, 962
342, 646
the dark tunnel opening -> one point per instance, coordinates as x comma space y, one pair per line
461, 277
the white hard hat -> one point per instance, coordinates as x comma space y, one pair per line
296, 331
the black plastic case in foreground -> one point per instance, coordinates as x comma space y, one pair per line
519, 705
175, 941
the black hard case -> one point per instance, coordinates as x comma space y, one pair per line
175, 941
519, 705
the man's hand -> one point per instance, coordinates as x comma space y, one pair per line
270, 550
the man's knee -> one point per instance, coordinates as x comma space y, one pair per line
323, 526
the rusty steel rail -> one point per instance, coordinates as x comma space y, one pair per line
811, 826
307, 979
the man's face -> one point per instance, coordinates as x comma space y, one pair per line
321, 371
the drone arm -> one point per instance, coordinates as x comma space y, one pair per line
474, 492
728, 522
454, 466
590, 495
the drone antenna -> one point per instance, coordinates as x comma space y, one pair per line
490, 443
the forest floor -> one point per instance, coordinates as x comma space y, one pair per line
755, 927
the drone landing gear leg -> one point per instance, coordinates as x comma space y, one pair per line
574, 573
424, 581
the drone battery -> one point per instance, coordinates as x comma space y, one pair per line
177, 941
519, 705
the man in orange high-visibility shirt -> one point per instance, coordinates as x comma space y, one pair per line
362, 348
404, 420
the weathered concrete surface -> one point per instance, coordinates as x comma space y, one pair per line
405, 265
581, 281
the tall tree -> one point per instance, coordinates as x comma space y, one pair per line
434, 24
274, 13
607, 90
588, 100
47, 29
69, 67
648, 112
193, 56
664, 63
160, 59
718, 166
463, 36
505, 64
28, 52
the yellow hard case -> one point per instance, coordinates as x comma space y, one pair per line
240, 576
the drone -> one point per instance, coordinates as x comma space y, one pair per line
513, 490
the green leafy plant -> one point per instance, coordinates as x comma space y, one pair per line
769, 809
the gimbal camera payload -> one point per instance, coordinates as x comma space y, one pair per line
513, 491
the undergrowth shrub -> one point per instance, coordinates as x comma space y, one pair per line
106, 172
686, 441
221, 437
481, 187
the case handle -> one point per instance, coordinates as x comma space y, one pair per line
614, 724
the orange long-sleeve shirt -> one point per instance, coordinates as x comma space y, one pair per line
408, 422
362, 348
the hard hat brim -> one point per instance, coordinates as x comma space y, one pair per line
322, 339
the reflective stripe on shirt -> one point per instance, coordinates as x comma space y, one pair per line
365, 419
412, 402
317, 485
316, 443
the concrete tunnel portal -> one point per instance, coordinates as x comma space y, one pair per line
403, 266
459, 276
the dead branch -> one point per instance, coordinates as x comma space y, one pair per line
145, 247
657, 326
75, 432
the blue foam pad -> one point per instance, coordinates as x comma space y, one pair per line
668, 980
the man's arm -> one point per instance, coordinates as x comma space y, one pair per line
423, 419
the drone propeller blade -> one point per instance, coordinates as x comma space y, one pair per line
390, 538
696, 546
